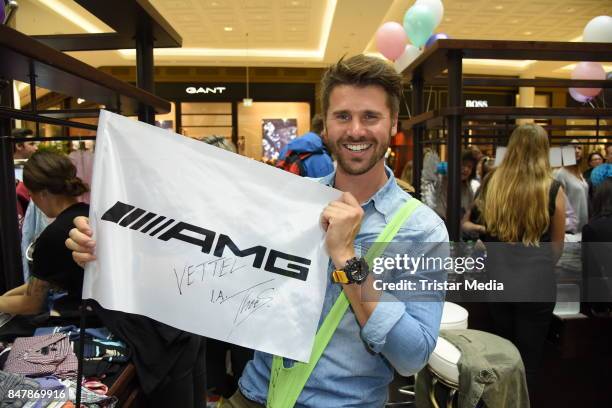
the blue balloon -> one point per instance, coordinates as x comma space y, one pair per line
2, 15
419, 23
434, 38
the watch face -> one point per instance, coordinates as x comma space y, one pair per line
359, 271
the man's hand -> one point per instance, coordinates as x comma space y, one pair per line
342, 220
80, 242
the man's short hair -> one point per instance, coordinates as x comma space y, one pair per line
316, 124
362, 71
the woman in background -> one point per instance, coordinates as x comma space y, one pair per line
521, 204
594, 160
51, 181
576, 188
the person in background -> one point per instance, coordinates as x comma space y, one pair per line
596, 244
609, 153
594, 160
22, 151
521, 204
468, 173
309, 151
576, 188
51, 181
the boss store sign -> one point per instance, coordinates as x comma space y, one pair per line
234, 91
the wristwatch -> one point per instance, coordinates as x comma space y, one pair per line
355, 271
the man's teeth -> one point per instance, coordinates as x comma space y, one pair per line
357, 147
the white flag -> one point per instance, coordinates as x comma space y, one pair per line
205, 240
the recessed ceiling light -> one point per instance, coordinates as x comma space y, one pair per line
214, 4
514, 21
228, 28
295, 3
527, 33
447, 19
499, 7
571, 10
293, 28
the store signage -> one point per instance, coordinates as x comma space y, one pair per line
205, 90
475, 103
197, 237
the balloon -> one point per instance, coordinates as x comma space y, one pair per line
419, 23
434, 38
577, 96
2, 12
598, 29
589, 70
410, 54
436, 7
391, 40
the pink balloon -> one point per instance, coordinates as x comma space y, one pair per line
578, 97
391, 40
589, 70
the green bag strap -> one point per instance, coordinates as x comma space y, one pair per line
286, 384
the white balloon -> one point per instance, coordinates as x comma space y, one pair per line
410, 54
598, 29
435, 6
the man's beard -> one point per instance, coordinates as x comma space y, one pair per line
349, 166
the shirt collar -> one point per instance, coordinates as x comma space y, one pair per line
384, 200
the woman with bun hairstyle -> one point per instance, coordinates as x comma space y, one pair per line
51, 180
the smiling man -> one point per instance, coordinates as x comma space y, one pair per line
363, 335
360, 101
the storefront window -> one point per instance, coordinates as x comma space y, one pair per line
274, 122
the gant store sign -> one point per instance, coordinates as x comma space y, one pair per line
191, 90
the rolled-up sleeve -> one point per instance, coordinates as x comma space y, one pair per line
405, 332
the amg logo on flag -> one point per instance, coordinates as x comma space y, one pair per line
126, 215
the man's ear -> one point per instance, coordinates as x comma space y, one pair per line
394, 125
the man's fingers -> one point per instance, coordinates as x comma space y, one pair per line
82, 258
82, 224
73, 246
81, 239
349, 199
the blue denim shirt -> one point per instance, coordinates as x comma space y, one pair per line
357, 365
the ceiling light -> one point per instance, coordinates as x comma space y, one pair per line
247, 102
514, 21
295, 3
527, 33
228, 28
293, 28
447, 19
214, 4
499, 7
316, 54
521, 64
80, 100
571, 10
71, 15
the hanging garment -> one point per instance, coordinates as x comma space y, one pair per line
83, 161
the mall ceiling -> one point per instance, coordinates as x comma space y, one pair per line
317, 32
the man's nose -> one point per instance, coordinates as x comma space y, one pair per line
357, 128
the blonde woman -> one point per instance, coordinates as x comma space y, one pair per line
523, 213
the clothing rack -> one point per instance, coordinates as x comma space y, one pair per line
28, 60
